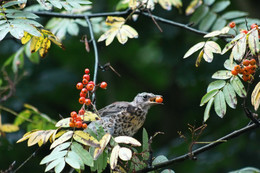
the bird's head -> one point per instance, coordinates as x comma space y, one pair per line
146, 100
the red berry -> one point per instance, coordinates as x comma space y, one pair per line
91, 82
252, 68
84, 90
82, 100
232, 24
246, 78
103, 85
78, 118
71, 119
85, 81
246, 62
234, 72
84, 125
87, 102
90, 87
87, 71
71, 124
252, 62
73, 114
79, 86
254, 25
81, 112
86, 76
244, 31
237, 68
78, 124
81, 94
159, 100
246, 70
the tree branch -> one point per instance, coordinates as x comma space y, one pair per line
229, 136
96, 55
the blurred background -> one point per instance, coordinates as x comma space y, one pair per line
152, 63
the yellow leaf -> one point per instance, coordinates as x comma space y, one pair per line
66, 136
9, 128
26, 136
124, 32
57, 42
33, 43
132, 4
166, 4
90, 116
255, 97
63, 123
27, 37
177, 3
114, 156
48, 33
115, 21
52, 138
47, 136
198, 60
103, 143
35, 138
192, 6
125, 154
127, 140
85, 138
44, 47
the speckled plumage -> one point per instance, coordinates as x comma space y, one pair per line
125, 118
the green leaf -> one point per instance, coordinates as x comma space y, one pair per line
59, 167
73, 160
54, 163
228, 65
208, 96
238, 86
218, 84
12, 3
17, 32
234, 14
61, 147
3, 32
73, 29
56, 4
222, 74
53, 156
18, 60
66, 136
230, 96
194, 49
220, 23
207, 21
247, 170
199, 14
253, 42
210, 48
22, 14
145, 147
1, 82
239, 49
83, 154
220, 6
207, 109
168, 171
220, 104
74, 156
209, 2
22, 116
159, 159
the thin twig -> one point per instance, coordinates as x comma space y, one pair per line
96, 55
227, 137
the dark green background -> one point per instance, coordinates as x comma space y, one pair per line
151, 63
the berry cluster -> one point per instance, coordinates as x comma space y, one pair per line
254, 25
247, 69
76, 121
86, 88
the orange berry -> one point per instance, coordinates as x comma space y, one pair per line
81, 112
87, 71
246, 70
90, 87
71, 124
103, 85
252, 67
159, 100
234, 72
85, 81
244, 31
246, 62
84, 125
84, 91
79, 86
86, 76
237, 68
71, 119
252, 62
78, 118
232, 24
246, 77
78, 124
254, 25
81, 94
87, 102
82, 100
73, 114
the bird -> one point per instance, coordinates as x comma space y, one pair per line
125, 118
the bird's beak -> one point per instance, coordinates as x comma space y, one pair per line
157, 99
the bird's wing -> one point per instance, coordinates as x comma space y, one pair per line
114, 108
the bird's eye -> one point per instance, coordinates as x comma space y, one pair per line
145, 97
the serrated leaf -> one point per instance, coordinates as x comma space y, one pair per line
220, 6
27, 37
45, 45
103, 143
234, 14
207, 21
253, 41
63, 123
227, 47
73, 29
126, 32
73, 163
90, 116
54, 163
208, 96
210, 48
194, 49
199, 14
60, 167
255, 97
238, 86
83, 154
127, 140
218, 84
73, 156
114, 157
159, 159
53, 156
222, 74
85, 138
26, 136
66, 136
229, 65
230, 96
220, 104
12, 3
239, 49
125, 154
9, 128
192, 6
3, 32
207, 109
212, 34
17, 32
61, 147
115, 21
35, 138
